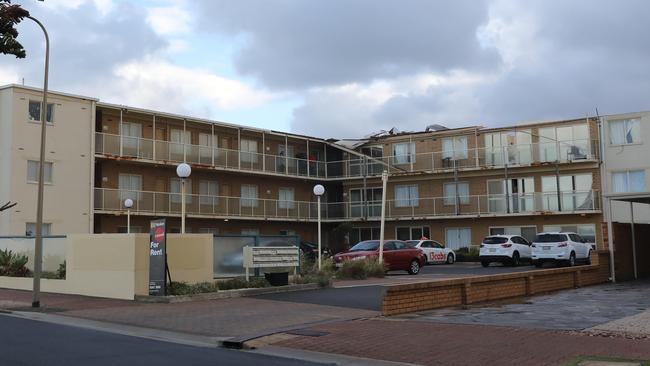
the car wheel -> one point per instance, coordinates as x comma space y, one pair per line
450, 258
485, 263
414, 268
572, 259
589, 258
515, 259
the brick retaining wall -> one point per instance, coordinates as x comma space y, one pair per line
400, 299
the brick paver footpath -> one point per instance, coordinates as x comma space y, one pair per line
459, 344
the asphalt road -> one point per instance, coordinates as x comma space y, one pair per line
33, 343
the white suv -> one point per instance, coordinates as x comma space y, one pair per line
506, 249
567, 248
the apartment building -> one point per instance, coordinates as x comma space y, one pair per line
454, 185
459, 185
626, 187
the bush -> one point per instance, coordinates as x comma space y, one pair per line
239, 282
361, 269
309, 272
13, 265
184, 288
467, 254
60, 273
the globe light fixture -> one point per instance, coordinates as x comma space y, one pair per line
183, 170
319, 190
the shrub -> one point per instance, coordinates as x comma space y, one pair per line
361, 269
309, 272
60, 273
239, 282
13, 265
467, 254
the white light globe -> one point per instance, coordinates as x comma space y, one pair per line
128, 203
183, 170
319, 190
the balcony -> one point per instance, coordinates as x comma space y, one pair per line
169, 204
158, 150
355, 167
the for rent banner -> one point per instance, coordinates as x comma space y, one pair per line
157, 255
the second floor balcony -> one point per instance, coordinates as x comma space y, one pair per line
169, 204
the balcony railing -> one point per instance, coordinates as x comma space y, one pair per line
165, 203
355, 167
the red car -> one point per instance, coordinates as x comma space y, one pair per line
398, 255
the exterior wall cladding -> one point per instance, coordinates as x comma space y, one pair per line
454, 185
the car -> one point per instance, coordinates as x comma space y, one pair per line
505, 249
398, 255
434, 252
560, 247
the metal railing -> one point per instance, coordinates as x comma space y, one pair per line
354, 167
165, 203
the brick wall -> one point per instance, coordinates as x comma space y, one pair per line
400, 299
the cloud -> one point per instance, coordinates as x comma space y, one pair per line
157, 84
301, 44
169, 20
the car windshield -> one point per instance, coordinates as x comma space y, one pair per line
413, 242
365, 245
495, 240
550, 238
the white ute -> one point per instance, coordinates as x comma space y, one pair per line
565, 248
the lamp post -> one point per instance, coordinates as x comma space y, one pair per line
183, 171
38, 242
128, 203
318, 191
384, 181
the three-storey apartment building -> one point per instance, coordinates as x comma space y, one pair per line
455, 185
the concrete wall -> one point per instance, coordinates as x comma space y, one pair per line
67, 201
117, 265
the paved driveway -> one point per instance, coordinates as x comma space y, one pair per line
570, 309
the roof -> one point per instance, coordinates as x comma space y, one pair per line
40, 90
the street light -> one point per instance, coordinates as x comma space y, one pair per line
318, 191
384, 181
183, 171
128, 203
38, 242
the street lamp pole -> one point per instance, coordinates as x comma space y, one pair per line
38, 246
318, 191
183, 171
384, 181
128, 203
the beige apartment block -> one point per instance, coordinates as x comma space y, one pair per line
454, 185
68, 155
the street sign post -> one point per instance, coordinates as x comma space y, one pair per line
265, 257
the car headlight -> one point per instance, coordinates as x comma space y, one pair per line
361, 257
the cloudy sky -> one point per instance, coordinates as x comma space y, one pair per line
345, 68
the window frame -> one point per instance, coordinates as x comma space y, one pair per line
50, 121
627, 180
451, 200
410, 155
286, 204
410, 201
254, 201
45, 172
625, 122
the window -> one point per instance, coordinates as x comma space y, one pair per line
564, 143
373, 204
527, 232
209, 230
248, 150
625, 131
208, 192
249, 195
131, 134
586, 231
454, 148
376, 152
451, 193
628, 181
288, 232
130, 186
366, 233
412, 233
175, 185
32, 171
456, 238
404, 153
30, 229
207, 139
286, 198
35, 111
511, 147
406, 196
575, 192
250, 232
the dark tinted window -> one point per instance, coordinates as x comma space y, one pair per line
425, 244
495, 240
390, 245
365, 245
436, 244
550, 238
